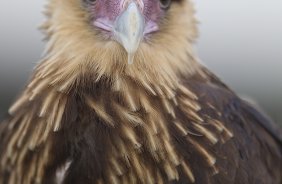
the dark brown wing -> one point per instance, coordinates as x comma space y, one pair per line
265, 121
254, 153
260, 117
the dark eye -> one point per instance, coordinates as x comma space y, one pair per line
165, 4
90, 1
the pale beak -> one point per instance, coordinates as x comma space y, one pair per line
129, 29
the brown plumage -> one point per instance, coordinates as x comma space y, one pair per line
89, 117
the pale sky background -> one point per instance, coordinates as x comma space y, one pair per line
240, 40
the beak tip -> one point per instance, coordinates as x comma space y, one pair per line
130, 58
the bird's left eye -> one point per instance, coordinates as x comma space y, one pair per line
165, 4
89, 1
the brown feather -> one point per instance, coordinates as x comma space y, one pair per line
164, 119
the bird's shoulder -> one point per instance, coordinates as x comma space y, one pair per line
256, 140
212, 90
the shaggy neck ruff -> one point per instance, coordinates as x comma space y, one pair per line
78, 53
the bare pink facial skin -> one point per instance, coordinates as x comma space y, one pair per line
105, 13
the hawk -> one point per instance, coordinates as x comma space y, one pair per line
119, 97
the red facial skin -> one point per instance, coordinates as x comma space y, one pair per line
105, 12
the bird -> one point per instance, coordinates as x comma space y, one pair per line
121, 97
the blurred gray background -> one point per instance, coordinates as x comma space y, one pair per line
240, 40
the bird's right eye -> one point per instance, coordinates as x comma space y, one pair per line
165, 4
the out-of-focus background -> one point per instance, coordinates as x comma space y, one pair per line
240, 40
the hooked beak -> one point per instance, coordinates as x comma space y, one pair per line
129, 29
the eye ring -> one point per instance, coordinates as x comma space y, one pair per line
165, 4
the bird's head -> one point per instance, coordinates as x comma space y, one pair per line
105, 34
129, 22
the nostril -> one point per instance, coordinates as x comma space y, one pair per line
124, 4
140, 4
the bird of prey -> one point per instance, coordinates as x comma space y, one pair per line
119, 97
